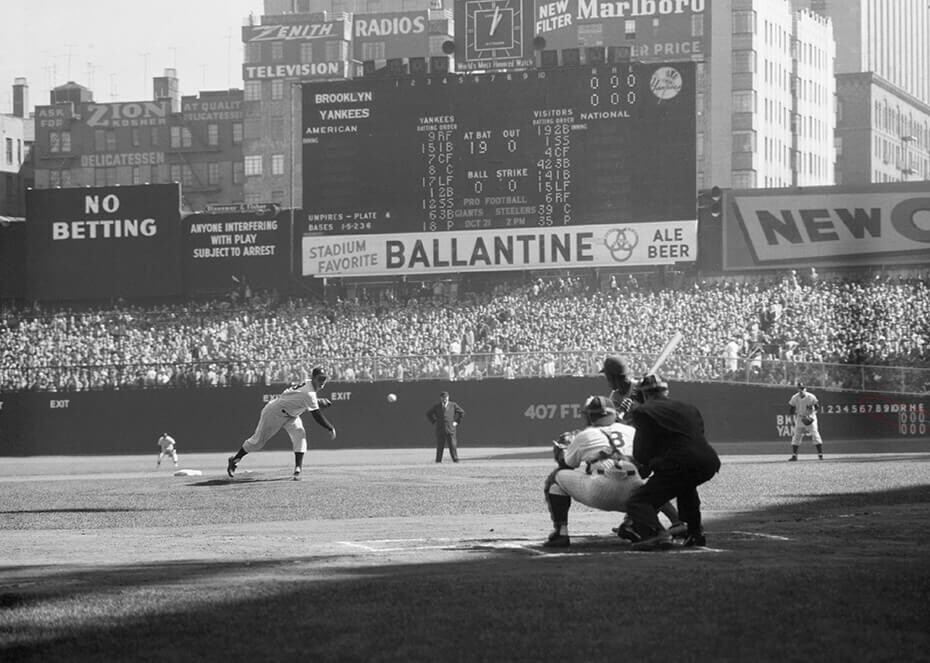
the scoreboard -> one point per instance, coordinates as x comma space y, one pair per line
546, 148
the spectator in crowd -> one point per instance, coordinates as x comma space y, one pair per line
879, 322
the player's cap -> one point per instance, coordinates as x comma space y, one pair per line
443, 394
800, 385
614, 365
599, 410
319, 372
652, 383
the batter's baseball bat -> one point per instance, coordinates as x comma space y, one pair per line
669, 348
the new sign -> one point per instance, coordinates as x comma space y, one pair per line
780, 227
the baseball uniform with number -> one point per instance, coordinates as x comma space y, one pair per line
284, 412
599, 479
805, 406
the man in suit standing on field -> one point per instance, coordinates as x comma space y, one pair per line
446, 416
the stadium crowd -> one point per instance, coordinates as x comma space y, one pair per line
561, 326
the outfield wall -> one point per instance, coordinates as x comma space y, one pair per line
521, 412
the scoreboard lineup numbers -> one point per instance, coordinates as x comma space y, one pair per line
547, 148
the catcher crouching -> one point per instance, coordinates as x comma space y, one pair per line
595, 468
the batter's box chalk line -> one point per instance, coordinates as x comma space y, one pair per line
759, 535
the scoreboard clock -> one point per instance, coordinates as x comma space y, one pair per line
497, 34
493, 29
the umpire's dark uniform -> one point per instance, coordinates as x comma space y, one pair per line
446, 416
670, 444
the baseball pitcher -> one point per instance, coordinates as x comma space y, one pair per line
284, 412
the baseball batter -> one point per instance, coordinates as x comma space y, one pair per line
804, 406
594, 468
284, 412
167, 447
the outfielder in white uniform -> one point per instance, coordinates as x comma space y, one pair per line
284, 412
167, 446
595, 468
804, 406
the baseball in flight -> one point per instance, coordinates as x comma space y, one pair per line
391, 398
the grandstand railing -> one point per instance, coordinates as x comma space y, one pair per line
465, 366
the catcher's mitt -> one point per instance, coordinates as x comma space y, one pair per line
807, 421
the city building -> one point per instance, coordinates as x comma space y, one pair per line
882, 133
300, 41
770, 109
16, 138
194, 140
890, 38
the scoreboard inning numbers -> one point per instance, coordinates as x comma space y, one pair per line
536, 149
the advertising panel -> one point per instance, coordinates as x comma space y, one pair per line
406, 254
393, 35
104, 242
226, 248
654, 30
312, 50
872, 225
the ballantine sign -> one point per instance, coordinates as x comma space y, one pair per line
502, 249
788, 227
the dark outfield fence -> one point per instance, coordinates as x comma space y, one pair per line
499, 412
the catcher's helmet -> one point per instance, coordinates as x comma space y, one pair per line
652, 384
599, 411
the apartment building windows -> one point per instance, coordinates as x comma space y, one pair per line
253, 165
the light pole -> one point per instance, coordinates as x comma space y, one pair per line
296, 138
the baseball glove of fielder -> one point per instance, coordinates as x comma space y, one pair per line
807, 421
324, 403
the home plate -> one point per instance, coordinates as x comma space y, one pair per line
188, 473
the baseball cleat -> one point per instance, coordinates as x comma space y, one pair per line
557, 540
694, 541
231, 467
626, 532
793, 458
678, 530
296, 474
661, 541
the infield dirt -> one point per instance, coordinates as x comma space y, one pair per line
383, 555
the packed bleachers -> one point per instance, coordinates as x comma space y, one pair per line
540, 328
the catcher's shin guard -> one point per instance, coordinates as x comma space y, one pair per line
558, 508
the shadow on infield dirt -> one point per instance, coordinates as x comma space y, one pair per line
830, 587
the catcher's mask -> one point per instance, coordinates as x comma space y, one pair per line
599, 411
653, 385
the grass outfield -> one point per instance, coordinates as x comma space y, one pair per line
385, 556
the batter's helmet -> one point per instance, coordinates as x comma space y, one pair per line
599, 411
614, 365
652, 384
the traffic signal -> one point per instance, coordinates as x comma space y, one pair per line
716, 202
